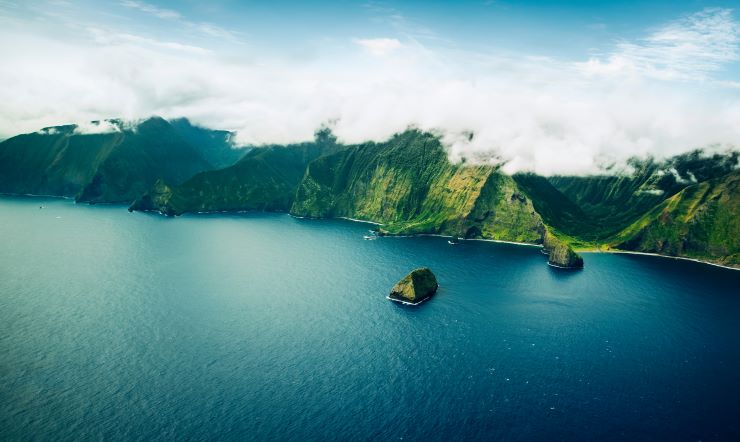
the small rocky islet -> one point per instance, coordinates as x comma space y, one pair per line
415, 288
560, 254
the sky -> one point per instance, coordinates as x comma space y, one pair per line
553, 87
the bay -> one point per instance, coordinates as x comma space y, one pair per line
117, 325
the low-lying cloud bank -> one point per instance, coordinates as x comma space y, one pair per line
650, 97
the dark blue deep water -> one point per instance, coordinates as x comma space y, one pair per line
260, 326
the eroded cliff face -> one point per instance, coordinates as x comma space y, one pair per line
561, 254
409, 186
702, 221
682, 206
116, 165
264, 179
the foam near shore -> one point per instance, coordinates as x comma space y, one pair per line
683, 258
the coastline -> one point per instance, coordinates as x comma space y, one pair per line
364, 221
439, 235
358, 220
407, 302
683, 258
28, 195
555, 266
33, 195
540, 246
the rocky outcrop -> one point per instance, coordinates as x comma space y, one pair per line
409, 185
157, 199
415, 288
561, 254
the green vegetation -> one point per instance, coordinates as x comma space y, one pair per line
409, 186
683, 206
560, 253
116, 166
701, 221
53, 161
415, 287
596, 207
264, 179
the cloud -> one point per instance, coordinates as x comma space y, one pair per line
165, 14
532, 113
729, 84
105, 38
687, 49
378, 46
208, 29
97, 127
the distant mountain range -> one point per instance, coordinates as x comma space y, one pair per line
116, 165
685, 206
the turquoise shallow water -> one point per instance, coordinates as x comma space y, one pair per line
260, 326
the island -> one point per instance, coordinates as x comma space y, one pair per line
684, 206
415, 288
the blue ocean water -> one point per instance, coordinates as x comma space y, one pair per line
117, 325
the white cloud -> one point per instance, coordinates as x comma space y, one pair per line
378, 46
533, 113
166, 14
729, 84
96, 127
690, 48
690, 179
111, 39
656, 192
208, 29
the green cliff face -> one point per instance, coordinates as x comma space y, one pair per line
153, 151
683, 206
53, 161
605, 205
560, 254
409, 186
214, 145
116, 166
264, 179
701, 221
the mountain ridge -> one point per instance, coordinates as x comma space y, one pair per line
683, 206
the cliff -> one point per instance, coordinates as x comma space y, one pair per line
409, 186
702, 221
682, 206
264, 179
561, 254
117, 165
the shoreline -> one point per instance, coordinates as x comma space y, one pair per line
407, 302
555, 266
628, 252
501, 241
345, 218
683, 258
439, 235
33, 195
358, 220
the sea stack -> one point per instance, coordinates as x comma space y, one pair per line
560, 254
415, 288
